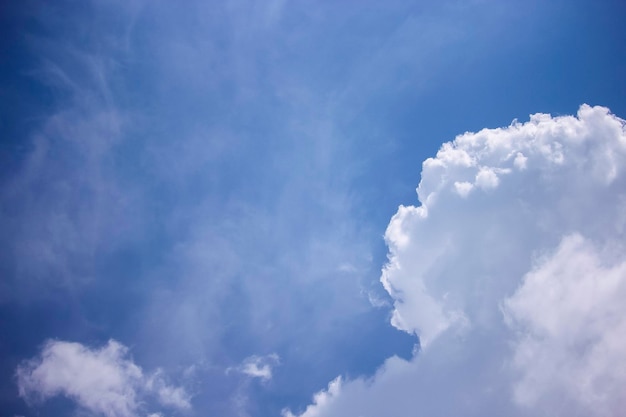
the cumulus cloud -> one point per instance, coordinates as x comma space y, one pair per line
511, 272
101, 380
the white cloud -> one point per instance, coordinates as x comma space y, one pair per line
258, 366
515, 292
103, 381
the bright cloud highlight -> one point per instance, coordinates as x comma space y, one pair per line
512, 273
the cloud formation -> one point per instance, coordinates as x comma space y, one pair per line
101, 380
511, 273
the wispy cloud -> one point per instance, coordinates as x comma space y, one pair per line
175, 144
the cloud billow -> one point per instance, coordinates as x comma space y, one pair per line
511, 273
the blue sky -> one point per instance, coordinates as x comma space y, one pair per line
197, 201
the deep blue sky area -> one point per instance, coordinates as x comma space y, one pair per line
211, 181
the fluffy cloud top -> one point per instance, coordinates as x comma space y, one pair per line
511, 272
103, 381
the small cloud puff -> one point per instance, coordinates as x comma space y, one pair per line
257, 366
99, 380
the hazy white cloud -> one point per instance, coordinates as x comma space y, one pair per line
103, 381
571, 318
511, 273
